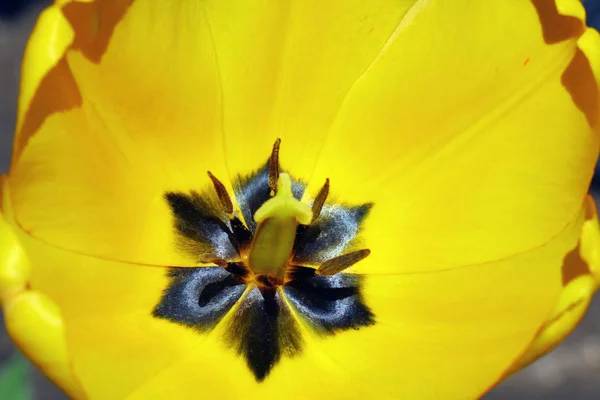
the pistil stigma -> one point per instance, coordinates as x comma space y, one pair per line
277, 221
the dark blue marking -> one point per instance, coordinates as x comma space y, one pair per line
262, 329
202, 228
199, 297
330, 303
331, 234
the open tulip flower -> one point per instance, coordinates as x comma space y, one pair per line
300, 199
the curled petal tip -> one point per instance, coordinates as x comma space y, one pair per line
571, 307
34, 323
590, 240
32, 319
14, 268
51, 37
581, 277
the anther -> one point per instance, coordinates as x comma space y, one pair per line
338, 264
317, 205
222, 193
212, 259
274, 166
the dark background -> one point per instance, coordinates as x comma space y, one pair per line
571, 372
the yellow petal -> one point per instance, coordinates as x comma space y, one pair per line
452, 334
251, 70
14, 266
580, 280
589, 245
42, 59
286, 67
503, 115
34, 323
476, 175
432, 329
475, 140
176, 109
32, 319
128, 353
103, 167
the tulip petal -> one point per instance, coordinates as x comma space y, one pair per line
286, 67
47, 85
184, 87
34, 323
429, 333
475, 162
581, 281
528, 97
432, 329
32, 319
93, 177
110, 330
206, 69
475, 141
14, 266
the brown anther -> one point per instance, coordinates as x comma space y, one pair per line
274, 166
317, 205
338, 264
212, 259
222, 193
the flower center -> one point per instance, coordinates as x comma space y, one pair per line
268, 262
272, 257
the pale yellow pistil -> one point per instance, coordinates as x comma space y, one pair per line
277, 221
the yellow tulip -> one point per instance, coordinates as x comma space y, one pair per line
419, 230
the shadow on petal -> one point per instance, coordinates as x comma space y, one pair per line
590, 240
574, 266
57, 92
94, 24
555, 26
578, 78
580, 82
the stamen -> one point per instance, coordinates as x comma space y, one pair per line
222, 193
274, 166
277, 221
317, 205
213, 259
338, 264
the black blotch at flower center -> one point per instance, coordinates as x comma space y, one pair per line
262, 328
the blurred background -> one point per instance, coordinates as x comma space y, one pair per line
572, 371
